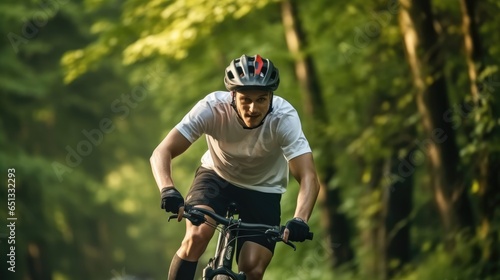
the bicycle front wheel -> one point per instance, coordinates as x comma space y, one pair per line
240, 275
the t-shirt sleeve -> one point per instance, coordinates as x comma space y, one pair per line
196, 122
291, 137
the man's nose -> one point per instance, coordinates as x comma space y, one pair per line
251, 107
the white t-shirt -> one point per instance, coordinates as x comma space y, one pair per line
255, 159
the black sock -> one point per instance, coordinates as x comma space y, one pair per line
181, 269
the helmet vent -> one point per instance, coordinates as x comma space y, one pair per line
263, 72
240, 71
251, 70
273, 75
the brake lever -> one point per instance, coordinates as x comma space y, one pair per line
290, 244
279, 237
175, 216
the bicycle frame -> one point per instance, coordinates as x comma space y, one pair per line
222, 262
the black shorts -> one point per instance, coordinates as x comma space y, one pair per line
253, 207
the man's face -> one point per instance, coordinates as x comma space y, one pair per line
252, 105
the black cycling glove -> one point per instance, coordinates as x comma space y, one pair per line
298, 230
171, 199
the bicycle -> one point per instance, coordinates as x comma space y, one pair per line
220, 266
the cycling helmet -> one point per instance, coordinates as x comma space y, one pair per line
251, 72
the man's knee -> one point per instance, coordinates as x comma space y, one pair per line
253, 272
254, 268
195, 242
253, 260
200, 236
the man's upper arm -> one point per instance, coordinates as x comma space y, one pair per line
302, 166
175, 143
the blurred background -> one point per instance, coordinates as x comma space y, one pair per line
398, 100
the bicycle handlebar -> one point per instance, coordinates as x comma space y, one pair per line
197, 217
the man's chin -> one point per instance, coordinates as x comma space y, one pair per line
252, 124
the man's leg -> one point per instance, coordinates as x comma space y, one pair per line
207, 191
181, 269
183, 265
253, 260
254, 252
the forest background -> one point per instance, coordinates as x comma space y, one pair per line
398, 100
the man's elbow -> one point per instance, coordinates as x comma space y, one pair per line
312, 181
315, 182
157, 154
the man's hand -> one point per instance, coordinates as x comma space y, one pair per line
171, 199
296, 230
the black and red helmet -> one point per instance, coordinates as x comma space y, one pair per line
251, 72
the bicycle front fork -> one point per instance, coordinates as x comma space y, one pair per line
221, 273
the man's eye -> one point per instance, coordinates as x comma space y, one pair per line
261, 100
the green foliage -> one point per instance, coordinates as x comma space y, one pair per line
440, 264
162, 29
88, 94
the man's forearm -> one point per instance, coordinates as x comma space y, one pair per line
161, 159
308, 193
162, 168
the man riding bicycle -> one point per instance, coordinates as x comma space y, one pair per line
254, 139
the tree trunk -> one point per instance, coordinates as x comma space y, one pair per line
399, 196
426, 63
487, 162
388, 237
472, 46
336, 222
375, 235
